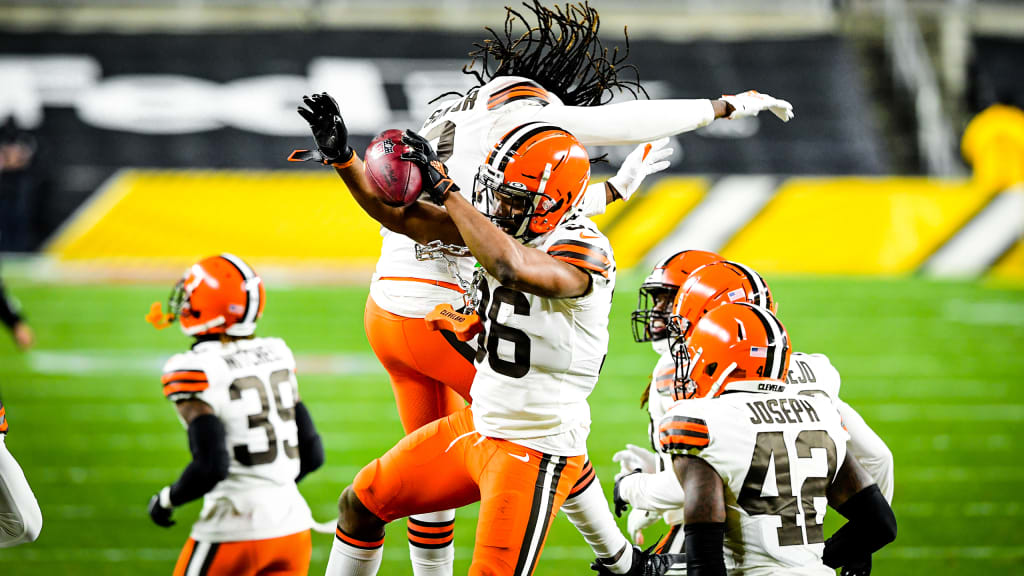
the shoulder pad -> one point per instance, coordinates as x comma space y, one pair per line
183, 377
680, 434
505, 90
583, 246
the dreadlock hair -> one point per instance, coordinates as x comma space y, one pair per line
561, 51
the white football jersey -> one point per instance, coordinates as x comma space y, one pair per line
813, 374
776, 453
462, 131
251, 386
539, 358
659, 402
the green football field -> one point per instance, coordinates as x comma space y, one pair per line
936, 368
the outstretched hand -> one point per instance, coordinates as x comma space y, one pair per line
329, 131
752, 103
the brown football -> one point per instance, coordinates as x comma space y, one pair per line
398, 181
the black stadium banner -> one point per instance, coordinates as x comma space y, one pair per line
99, 102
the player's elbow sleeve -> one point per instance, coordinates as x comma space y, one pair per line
210, 460
704, 549
872, 525
311, 448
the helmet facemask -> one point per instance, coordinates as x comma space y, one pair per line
652, 314
511, 205
684, 388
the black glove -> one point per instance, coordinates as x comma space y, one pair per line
620, 504
437, 183
329, 132
161, 516
861, 568
645, 563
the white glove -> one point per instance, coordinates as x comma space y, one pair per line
635, 457
637, 521
644, 160
752, 102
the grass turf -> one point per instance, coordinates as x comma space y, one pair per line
935, 368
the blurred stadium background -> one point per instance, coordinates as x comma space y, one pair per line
887, 216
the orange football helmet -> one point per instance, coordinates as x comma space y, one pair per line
713, 285
657, 293
218, 294
533, 177
732, 343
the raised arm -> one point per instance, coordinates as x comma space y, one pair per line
420, 221
639, 121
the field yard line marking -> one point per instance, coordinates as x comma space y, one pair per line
991, 313
984, 509
950, 552
125, 362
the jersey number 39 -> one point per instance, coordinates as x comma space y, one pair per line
280, 378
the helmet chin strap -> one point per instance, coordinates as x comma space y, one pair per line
721, 381
203, 327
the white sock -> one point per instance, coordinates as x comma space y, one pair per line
352, 557
431, 543
589, 512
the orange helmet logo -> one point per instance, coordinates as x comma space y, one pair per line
732, 343
218, 294
533, 177
657, 293
713, 285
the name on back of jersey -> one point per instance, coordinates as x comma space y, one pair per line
247, 358
782, 411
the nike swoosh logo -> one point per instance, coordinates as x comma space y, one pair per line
523, 458
588, 237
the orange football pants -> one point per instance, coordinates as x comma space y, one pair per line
283, 556
430, 374
447, 464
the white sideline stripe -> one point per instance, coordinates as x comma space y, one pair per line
147, 412
959, 509
992, 313
117, 442
398, 553
950, 442
941, 412
130, 362
728, 206
977, 246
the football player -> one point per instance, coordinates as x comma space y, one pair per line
705, 289
736, 423
545, 293
12, 318
565, 79
650, 322
20, 517
251, 437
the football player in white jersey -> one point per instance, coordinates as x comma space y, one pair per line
651, 324
562, 79
20, 517
758, 461
545, 293
810, 374
252, 439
